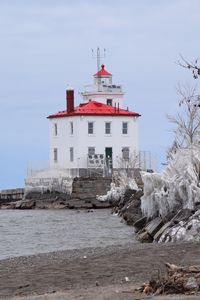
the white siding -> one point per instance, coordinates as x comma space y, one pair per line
81, 140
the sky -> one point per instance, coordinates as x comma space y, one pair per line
47, 45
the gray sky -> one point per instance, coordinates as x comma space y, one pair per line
46, 45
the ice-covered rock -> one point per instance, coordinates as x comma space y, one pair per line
113, 195
184, 231
117, 191
176, 188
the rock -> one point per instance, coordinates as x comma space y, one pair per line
27, 204
144, 237
98, 204
116, 199
18, 204
197, 205
153, 226
161, 230
76, 203
191, 284
182, 215
187, 230
115, 210
126, 197
139, 193
139, 224
131, 212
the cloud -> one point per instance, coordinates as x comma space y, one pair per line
47, 44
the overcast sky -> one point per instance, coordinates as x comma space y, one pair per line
46, 45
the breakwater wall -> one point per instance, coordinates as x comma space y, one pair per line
84, 192
10, 195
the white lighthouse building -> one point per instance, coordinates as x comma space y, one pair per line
97, 134
96, 137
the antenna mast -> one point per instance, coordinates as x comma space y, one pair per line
98, 57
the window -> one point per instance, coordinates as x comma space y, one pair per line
55, 155
71, 128
107, 128
90, 127
124, 128
71, 154
125, 153
55, 129
91, 150
109, 102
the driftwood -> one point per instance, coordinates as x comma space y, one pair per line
178, 280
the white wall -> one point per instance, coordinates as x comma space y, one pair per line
81, 140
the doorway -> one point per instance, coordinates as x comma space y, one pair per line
108, 154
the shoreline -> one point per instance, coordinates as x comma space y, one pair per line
91, 269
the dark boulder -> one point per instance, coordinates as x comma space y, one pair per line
129, 193
140, 223
182, 215
131, 212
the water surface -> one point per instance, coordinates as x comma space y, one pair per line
25, 232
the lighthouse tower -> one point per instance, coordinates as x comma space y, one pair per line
103, 90
98, 133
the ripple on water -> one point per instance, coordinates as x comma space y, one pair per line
26, 232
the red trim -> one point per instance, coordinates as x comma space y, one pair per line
94, 108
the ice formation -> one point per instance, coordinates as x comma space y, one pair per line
184, 231
116, 192
177, 187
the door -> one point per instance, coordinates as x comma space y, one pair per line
108, 154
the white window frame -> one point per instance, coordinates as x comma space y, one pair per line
124, 130
106, 129
90, 133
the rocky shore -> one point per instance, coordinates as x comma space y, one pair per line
82, 196
93, 273
182, 223
54, 201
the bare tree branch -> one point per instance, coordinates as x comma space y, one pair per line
193, 66
187, 122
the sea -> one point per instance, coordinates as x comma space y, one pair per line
27, 232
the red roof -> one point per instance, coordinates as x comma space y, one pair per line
94, 108
102, 72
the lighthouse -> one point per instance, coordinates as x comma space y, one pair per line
97, 134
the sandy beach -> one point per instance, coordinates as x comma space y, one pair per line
93, 273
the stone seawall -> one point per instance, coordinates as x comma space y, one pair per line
84, 191
11, 195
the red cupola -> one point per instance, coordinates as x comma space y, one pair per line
103, 72
103, 76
